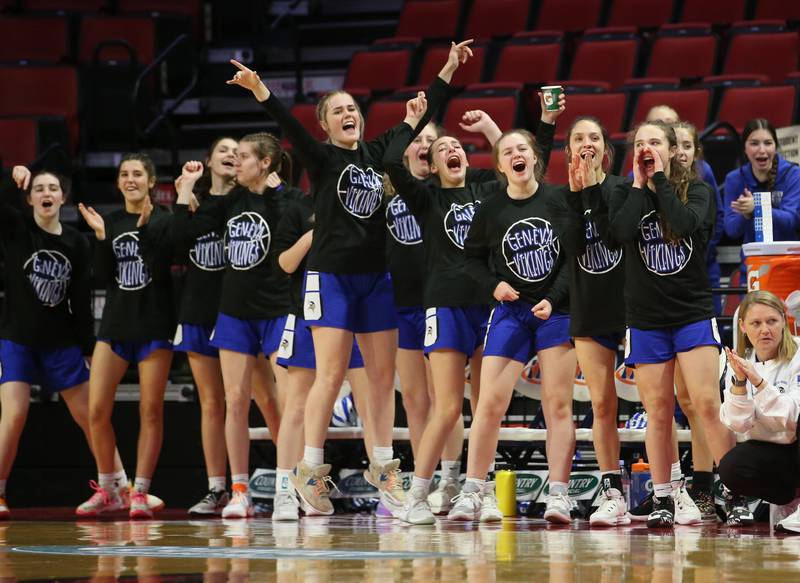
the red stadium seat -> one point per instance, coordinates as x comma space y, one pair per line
379, 70
609, 108
691, 104
429, 19
527, 60
715, 11
569, 15
499, 100
64, 5
467, 74
491, 18
192, 9
35, 39
771, 54
630, 13
612, 61
740, 104
17, 141
383, 114
682, 56
781, 9
139, 33
557, 167
41, 91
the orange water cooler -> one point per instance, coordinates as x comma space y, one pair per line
774, 267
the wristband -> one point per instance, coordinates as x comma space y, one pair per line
737, 383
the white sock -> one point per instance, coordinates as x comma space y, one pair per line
282, 483
120, 479
313, 456
473, 485
382, 455
451, 469
675, 473
141, 485
216, 483
662, 490
424, 484
3, 488
491, 468
558, 488
106, 482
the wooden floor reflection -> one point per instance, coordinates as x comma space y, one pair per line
361, 548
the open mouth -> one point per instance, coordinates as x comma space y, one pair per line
454, 163
229, 163
587, 154
423, 156
47, 204
349, 126
762, 160
649, 162
519, 166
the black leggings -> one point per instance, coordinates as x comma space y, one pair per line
770, 471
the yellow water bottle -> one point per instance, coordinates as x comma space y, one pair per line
506, 487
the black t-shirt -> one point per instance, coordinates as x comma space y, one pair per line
204, 255
253, 287
295, 223
514, 241
405, 255
666, 282
47, 284
347, 186
596, 269
445, 215
134, 264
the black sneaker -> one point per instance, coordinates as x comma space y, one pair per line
642, 512
663, 514
705, 503
738, 512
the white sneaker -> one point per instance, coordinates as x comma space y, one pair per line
686, 511
558, 508
240, 506
416, 509
441, 499
489, 510
286, 507
611, 510
791, 523
466, 506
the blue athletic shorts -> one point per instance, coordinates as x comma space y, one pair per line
515, 333
195, 338
136, 352
653, 346
248, 336
460, 329
358, 302
297, 346
55, 370
411, 328
610, 341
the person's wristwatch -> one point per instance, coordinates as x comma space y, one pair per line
738, 383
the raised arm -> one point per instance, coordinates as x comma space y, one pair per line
625, 209
190, 220
310, 152
683, 219
414, 192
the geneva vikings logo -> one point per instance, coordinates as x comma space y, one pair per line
360, 192
49, 273
247, 240
132, 272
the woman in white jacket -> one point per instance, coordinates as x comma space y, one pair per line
762, 404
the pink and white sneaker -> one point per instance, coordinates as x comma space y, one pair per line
140, 508
101, 501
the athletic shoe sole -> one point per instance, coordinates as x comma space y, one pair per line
461, 516
491, 518
636, 518
618, 521
310, 510
556, 517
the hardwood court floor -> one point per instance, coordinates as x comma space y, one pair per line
361, 548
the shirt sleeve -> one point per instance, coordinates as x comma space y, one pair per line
683, 219
737, 412
545, 134
559, 291
157, 240
596, 199
290, 229
735, 223
308, 150
787, 217
476, 252
565, 208
625, 209
414, 192
188, 226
